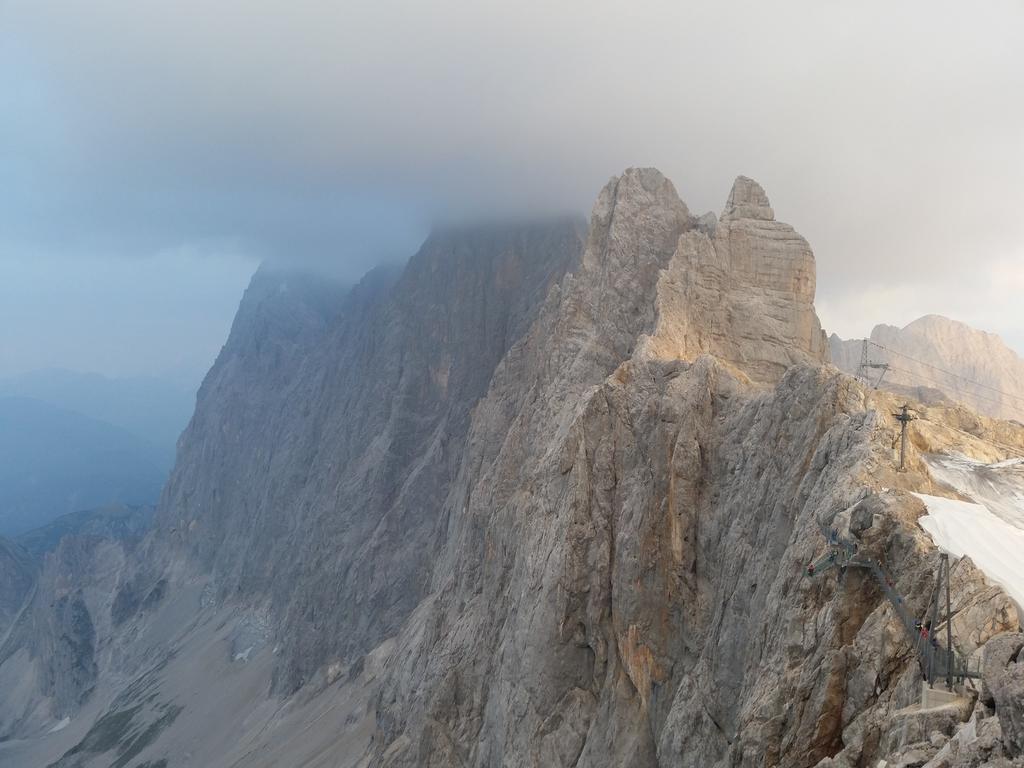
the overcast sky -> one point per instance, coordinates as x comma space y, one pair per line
152, 153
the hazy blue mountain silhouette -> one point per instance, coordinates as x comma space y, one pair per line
153, 408
54, 461
122, 522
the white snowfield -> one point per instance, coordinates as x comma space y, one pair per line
999, 486
989, 531
994, 545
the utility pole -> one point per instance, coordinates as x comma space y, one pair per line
904, 417
933, 627
944, 565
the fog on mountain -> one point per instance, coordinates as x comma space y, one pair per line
333, 436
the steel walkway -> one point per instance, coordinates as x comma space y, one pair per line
936, 661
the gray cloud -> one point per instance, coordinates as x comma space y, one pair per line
889, 134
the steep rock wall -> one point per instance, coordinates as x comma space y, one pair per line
620, 523
623, 582
529, 502
327, 431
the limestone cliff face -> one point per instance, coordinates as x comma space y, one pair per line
327, 432
741, 289
987, 375
50, 655
534, 500
622, 582
17, 575
622, 577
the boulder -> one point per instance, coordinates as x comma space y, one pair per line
996, 656
1008, 692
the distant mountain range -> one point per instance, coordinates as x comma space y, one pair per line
121, 522
71, 441
935, 355
54, 461
152, 408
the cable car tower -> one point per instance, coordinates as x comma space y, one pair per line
867, 365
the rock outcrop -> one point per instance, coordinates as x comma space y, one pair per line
17, 576
1007, 687
743, 293
535, 500
49, 657
943, 356
578, 577
122, 522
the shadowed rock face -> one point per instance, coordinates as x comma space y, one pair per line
327, 432
17, 575
50, 655
116, 521
536, 499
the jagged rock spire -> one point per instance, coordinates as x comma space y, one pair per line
639, 211
748, 200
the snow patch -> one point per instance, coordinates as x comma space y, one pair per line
999, 486
61, 725
243, 656
963, 528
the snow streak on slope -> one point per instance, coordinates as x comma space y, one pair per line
990, 531
963, 528
999, 486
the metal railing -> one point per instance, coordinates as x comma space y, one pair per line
936, 661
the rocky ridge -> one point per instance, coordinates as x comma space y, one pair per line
532, 502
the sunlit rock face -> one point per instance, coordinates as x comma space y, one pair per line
743, 291
620, 526
623, 578
545, 497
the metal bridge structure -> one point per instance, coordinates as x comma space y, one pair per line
936, 661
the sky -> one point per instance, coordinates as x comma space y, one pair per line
152, 154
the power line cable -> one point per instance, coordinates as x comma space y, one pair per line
947, 373
1018, 452
942, 384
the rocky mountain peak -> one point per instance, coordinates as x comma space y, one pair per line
940, 326
748, 200
935, 354
741, 290
641, 203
